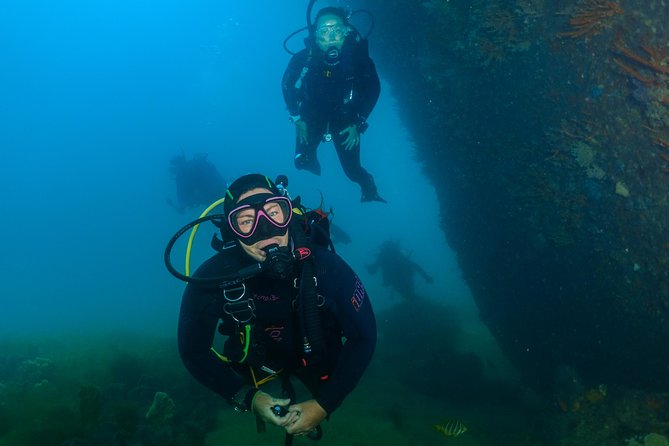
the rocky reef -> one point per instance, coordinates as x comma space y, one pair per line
109, 393
544, 127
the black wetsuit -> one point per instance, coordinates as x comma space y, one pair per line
329, 98
346, 313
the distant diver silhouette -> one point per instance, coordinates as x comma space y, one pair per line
397, 269
198, 182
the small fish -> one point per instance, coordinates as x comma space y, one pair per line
451, 428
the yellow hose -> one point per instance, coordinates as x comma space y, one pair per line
194, 231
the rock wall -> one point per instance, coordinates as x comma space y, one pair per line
545, 130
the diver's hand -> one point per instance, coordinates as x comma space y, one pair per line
301, 127
353, 137
309, 415
262, 406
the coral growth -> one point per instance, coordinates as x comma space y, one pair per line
83, 404
161, 411
592, 17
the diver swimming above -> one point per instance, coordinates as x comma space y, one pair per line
284, 311
330, 89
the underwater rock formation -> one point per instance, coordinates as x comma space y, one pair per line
552, 176
161, 411
35, 372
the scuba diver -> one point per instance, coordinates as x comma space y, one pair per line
197, 180
397, 269
330, 89
284, 306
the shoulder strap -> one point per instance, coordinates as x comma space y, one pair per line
305, 69
312, 332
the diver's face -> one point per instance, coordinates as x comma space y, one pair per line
330, 32
255, 250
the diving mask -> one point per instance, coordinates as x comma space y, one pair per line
332, 32
260, 217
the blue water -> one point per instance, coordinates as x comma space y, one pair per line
96, 98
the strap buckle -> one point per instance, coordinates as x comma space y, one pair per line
232, 298
320, 301
241, 311
297, 284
